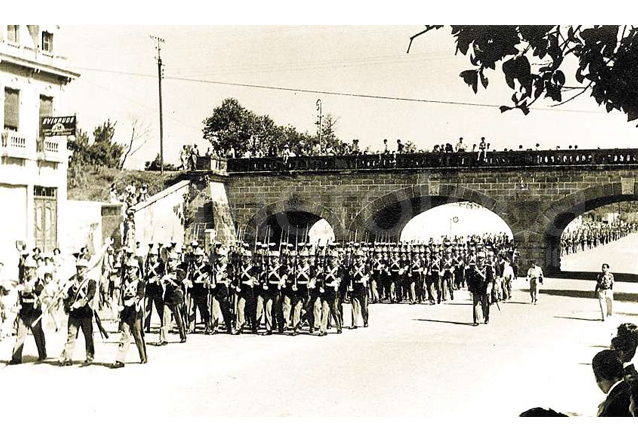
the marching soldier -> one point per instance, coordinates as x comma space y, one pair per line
77, 304
434, 278
479, 278
199, 273
173, 286
271, 286
288, 279
245, 297
30, 313
360, 277
303, 273
221, 292
448, 276
394, 269
330, 277
154, 272
375, 280
414, 275
132, 315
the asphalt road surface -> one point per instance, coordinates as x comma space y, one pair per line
412, 361
621, 255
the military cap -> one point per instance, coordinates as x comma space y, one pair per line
194, 243
132, 262
81, 262
173, 256
199, 252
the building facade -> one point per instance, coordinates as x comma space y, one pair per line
33, 169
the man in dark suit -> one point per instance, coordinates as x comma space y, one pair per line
625, 343
478, 278
608, 370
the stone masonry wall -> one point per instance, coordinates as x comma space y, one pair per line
528, 201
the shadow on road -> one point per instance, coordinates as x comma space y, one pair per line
444, 321
577, 318
517, 303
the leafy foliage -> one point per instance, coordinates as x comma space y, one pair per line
532, 61
155, 165
232, 125
102, 152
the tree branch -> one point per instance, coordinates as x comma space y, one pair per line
573, 97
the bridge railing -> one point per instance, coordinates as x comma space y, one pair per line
463, 160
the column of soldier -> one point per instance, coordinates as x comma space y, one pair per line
593, 234
285, 288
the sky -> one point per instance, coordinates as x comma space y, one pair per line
119, 82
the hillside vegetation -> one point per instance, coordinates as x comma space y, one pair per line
92, 183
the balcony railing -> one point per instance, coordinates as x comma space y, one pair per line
435, 161
14, 145
50, 150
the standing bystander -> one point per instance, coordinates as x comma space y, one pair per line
605, 291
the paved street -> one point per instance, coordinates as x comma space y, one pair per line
621, 256
412, 361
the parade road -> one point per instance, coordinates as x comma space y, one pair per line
413, 360
621, 255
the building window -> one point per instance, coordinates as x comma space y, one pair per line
46, 110
45, 192
11, 109
13, 33
47, 41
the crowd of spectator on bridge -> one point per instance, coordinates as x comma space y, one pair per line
481, 147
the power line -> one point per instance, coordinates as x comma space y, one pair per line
329, 93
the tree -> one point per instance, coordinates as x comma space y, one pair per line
329, 138
139, 135
102, 152
231, 125
155, 165
532, 59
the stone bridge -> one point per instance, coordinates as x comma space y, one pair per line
537, 193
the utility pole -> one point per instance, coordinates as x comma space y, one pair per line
319, 123
160, 74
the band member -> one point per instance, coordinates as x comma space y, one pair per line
480, 276
131, 315
77, 304
173, 285
30, 313
154, 272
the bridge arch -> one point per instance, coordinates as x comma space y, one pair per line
559, 214
292, 215
389, 214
